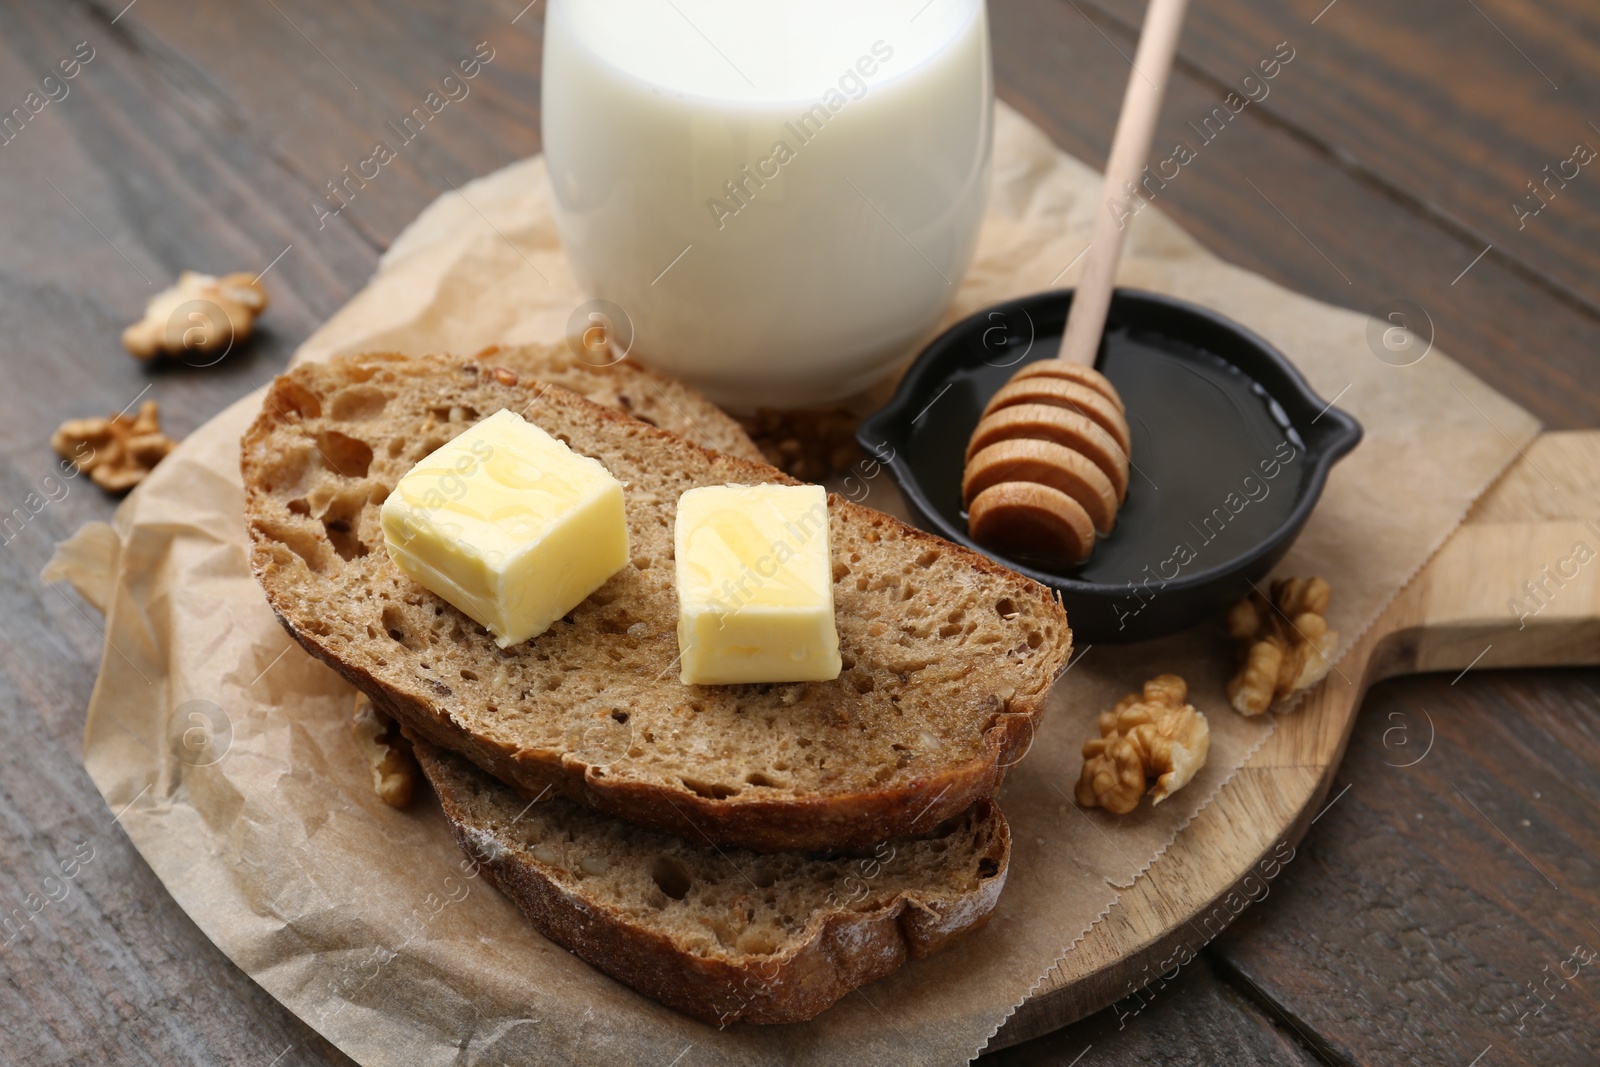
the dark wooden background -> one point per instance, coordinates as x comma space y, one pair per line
1414, 922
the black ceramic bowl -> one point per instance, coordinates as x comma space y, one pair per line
1231, 449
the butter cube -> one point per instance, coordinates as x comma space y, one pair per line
509, 525
755, 585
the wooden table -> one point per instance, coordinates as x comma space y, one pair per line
1383, 165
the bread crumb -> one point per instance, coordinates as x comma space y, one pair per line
388, 753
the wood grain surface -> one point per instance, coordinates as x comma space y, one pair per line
1385, 159
1453, 616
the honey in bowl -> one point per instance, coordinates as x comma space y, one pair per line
1216, 465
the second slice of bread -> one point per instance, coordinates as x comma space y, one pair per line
947, 656
723, 934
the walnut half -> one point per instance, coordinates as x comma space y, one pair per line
199, 315
805, 443
1284, 645
388, 753
116, 452
1153, 734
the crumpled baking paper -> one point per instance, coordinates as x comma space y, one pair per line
230, 749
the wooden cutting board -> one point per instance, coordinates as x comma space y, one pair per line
1516, 585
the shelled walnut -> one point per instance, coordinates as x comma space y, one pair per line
200, 315
1284, 645
388, 753
1153, 734
807, 443
116, 452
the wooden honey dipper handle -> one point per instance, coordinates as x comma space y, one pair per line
1130, 147
1047, 465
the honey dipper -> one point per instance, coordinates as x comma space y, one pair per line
1047, 465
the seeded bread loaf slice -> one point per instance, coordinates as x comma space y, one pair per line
947, 656
723, 935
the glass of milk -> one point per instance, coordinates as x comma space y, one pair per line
780, 195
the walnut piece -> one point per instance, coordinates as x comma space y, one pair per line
388, 753
805, 443
116, 452
1154, 734
201, 314
1284, 646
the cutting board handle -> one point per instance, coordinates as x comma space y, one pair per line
1518, 584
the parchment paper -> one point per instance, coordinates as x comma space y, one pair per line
230, 751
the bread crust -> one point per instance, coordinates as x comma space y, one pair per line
840, 949
632, 389
838, 818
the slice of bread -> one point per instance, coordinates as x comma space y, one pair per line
723, 935
947, 655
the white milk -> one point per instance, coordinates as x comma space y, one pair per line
781, 195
